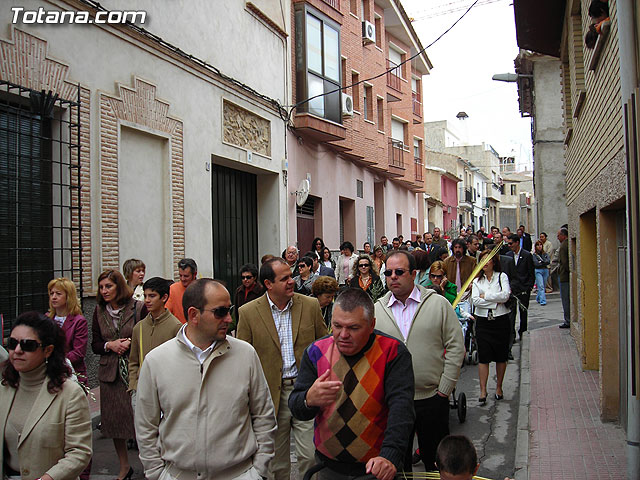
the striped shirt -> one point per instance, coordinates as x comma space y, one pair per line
403, 313
282, 319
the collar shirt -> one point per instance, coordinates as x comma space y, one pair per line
516, 256
200, 354
282, 319
458, 275
403, 313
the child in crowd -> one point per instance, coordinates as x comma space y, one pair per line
155, 329
456, 458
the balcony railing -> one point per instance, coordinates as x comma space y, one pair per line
396, 153
417, 104
419, 168
333, 3
394, 77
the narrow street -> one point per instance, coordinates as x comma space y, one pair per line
492, 427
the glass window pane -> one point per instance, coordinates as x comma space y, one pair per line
315, 85
331, 53
314, 44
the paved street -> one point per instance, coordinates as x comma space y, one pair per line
493, 427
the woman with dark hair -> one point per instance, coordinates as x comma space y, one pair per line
378, 260
317, 246
64, 309
365, 277
345, 263
305, 278
44, 415
326, 260
113, 320
422, 267
489, 294
541, 263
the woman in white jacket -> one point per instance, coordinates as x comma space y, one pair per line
489, 294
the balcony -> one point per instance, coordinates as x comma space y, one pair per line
465, 195
419, 169
333, 3
394, 77
396, 158
417, 103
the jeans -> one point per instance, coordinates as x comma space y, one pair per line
566, 305
541, 280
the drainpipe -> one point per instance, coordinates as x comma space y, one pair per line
628, 82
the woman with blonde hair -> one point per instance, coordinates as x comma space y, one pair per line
133, 271
65, 311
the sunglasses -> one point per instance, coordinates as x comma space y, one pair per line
435, 276
25, 345
247, 277
398, 271
219, 312
364, 265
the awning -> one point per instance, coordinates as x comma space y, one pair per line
539, 25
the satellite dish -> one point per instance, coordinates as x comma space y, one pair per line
303, 192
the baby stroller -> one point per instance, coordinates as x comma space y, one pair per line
467, 322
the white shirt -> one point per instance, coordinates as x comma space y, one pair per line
200, 354
282, 319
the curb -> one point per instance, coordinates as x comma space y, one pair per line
522, 435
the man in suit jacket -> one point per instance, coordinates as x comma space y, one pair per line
508, 267
318, 268
460, 263
524, 279
280, 325
525, 239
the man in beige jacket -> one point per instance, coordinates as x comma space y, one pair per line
203, 409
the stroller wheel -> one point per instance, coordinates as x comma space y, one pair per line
462, 407
474, 357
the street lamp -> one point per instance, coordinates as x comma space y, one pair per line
509, 77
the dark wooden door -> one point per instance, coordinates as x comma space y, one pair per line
235, 223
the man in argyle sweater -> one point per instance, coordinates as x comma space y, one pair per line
358, 385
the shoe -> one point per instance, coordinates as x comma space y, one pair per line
564, 325
499, 397
482, 400
415, 458
128, 475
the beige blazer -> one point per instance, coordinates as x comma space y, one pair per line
56, 438
256, 326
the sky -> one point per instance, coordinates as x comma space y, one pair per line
482, 44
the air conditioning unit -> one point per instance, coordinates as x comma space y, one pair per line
368, 32
347, 105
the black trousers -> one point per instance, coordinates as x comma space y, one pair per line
523, 305
432, 425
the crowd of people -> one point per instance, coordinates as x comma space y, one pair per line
352, 355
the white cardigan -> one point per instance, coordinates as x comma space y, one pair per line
496, 293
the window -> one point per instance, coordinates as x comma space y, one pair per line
395, 59
368, 102
417, 149
513, 189
414, 84
378, 24
355, 91
380, 114
353, 7
318, 63
397, 131
359, 189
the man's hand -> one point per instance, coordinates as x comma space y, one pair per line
381, 468
442, 394
323, 392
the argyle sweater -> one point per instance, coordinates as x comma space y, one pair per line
373, 414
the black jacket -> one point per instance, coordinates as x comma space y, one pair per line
525, 275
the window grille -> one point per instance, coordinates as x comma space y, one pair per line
40, 208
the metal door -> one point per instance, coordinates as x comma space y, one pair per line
234, 222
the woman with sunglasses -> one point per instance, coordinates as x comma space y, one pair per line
44, 415
438, 277
64, 309
304, 280
113, 320
489, 294
365, 277
317, 246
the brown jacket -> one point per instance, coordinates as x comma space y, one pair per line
132, 313
256, 326
467, 264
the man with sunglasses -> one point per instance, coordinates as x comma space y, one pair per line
212, 426
280, 325
430, 329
